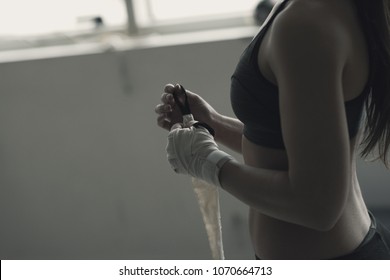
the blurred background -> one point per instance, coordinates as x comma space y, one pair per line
83, 170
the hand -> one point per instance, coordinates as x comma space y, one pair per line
169, 113
193, 151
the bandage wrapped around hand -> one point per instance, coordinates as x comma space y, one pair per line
193, 151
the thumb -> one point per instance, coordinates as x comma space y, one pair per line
176, 126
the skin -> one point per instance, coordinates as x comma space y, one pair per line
305, 202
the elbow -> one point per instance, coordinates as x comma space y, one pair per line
321, 213
320, 208
322, 221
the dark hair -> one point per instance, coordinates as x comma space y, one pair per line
376, 20
263, 8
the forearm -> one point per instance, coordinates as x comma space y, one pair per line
271, 193
228, 132
294, 197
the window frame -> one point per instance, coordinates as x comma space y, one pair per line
129, 31
191, 25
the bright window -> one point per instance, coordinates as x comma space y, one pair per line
37, 23
155, 12
43, 17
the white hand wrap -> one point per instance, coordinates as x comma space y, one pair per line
193, 151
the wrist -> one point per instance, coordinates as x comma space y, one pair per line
212, 168
226, 172
193, 151
216, 121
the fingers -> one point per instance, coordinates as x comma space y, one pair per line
168, 102
167, 111
163, 122
163, 109
169, 88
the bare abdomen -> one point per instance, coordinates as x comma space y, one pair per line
276, 239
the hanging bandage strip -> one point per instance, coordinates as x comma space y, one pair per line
207, 194
208, 199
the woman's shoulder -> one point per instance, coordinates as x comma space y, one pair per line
305, 21
310, 14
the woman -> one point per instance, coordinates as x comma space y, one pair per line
298, 92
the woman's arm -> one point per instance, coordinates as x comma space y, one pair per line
307, 58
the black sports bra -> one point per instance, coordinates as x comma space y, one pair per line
255, 100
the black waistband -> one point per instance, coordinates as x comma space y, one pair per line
370, 234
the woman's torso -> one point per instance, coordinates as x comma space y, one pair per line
276, 239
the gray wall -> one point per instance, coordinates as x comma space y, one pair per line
83, 173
